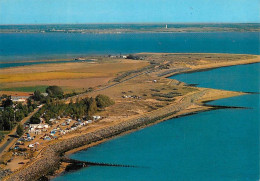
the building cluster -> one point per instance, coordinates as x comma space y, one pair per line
43, 131
132, 96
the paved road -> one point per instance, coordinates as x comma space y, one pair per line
8, 140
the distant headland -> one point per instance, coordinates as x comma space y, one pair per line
131, 28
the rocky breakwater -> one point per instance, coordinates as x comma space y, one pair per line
50, 158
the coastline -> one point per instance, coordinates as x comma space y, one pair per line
50, 159
201, 107
184, 111
204, 107
181, 113
203, 68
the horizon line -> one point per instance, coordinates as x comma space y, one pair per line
132, 23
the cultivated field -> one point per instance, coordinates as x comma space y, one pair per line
71, 76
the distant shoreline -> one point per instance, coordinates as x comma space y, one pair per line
129, 32
87, 56
131, 28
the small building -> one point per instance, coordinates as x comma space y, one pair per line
52, 119
45, 94
37, 128
19, 99
96, 117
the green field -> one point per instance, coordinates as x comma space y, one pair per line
25, 89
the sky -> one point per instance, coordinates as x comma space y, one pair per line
128, 11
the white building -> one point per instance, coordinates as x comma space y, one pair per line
38, 128
96, 117
19, 99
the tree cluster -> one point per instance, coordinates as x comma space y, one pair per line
81, 109
133, 57
53, 92
11, 114
19, 130
103, 101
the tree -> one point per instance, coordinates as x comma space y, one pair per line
103, 101
19, 115
92, 106
37, 96
55, 91
30, 109
35, 120
134, 57
7, 102
19, 130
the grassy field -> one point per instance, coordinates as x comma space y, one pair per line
25, 89
48, 76
79, 76
70, 76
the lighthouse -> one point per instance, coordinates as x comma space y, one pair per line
166, 26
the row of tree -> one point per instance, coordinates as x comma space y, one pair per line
84, 108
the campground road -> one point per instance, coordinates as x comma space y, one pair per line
8, 141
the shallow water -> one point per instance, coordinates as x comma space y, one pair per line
209, 146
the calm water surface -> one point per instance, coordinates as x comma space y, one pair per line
219, 145
32, 46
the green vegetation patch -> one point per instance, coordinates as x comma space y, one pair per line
41, 88
4, 132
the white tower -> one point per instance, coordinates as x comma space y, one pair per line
166, 26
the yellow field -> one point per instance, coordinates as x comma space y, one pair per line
70, 76
48, 76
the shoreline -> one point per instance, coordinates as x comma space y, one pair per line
159, 118
50, 159
201, 107
143, 32
58, 58
180, 114
215, 66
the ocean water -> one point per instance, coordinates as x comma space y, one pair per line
219, 145
42, 46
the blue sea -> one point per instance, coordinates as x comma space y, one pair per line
42, 46
219, 145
